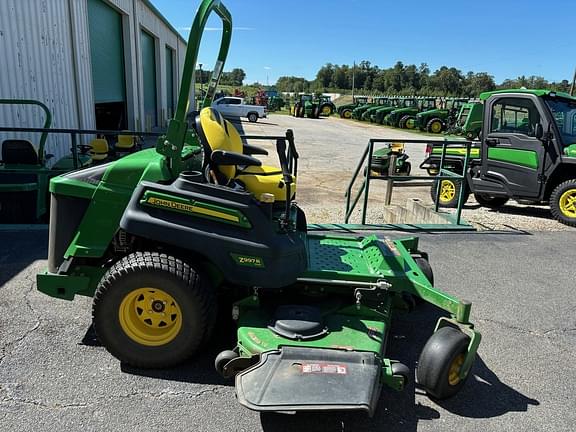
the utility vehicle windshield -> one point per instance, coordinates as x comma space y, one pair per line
564, 113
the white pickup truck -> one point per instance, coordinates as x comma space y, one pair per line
230, 106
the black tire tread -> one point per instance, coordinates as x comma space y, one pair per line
555, 202
154, 261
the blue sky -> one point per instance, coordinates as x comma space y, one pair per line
506, 38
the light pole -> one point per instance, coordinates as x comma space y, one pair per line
353, 78
572, 87
201, 80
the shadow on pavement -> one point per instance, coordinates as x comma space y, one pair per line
19, 249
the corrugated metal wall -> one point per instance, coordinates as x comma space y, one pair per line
45, 53
36, 48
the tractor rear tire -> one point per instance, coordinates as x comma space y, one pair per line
441, 361
403, 121
435, 125
449, 193
153, 310
490, 201
346, 113
326, 110
563, 203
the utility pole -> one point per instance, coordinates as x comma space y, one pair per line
573, 87
353, 78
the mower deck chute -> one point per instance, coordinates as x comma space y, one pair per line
311, 379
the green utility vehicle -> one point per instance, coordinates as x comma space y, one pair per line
24, 172
345, 111
156, 236
527, 153
405, 118
394, 103
379, 103
442, 118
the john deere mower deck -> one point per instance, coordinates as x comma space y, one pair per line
156, 235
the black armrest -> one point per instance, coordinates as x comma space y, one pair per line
222, 157
250, 150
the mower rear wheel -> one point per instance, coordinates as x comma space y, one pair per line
563, 203
425, 267
440, 363
490, 201
153, 310
435, 125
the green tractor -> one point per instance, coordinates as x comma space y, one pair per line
442, 118
25, 172
379, 114
359, 111
345, 111
469, 121
327, 107
405, 118
381, 102
157, 236
526, 152
275, 103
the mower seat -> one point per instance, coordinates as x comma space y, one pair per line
126, 143
222, 144
19, 152
98, 149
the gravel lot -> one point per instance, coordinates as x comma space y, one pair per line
330, 149
54, 376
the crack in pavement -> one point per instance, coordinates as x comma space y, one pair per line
169, 393
16, 342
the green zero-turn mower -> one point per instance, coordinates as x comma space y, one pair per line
24, 173
156, 235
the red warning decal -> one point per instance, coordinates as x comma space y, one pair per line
324, 368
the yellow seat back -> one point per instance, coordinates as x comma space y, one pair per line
98, 149
220, 135
126, 142
397, 147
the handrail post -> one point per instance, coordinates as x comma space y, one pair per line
367, 174
463, 184
390, 181
438, 188
74, 150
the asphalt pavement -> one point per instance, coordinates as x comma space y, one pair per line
53, 376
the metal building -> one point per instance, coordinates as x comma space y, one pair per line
97, 64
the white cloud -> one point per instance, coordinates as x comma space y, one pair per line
267, 67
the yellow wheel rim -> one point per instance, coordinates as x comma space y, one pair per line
568, 203
150, 316
447, 191
454, 371
347, 114
326, 110
410, 124
436, 127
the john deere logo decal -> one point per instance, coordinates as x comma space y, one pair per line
248, 261
171, 204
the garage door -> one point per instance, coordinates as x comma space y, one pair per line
148, 45
106, 48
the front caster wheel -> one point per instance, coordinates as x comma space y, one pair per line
222, 360
441, 361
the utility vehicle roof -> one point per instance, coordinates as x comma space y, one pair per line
539, 93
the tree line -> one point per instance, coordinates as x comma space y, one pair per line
408, 80
233, 78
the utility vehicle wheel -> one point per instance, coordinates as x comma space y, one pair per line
449, 193
152, 310
435, 125
252, 117
402, 124
346, 114
425, 267
406, 169
222, 359
490, 201
563, 203
471, 135
441, 361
